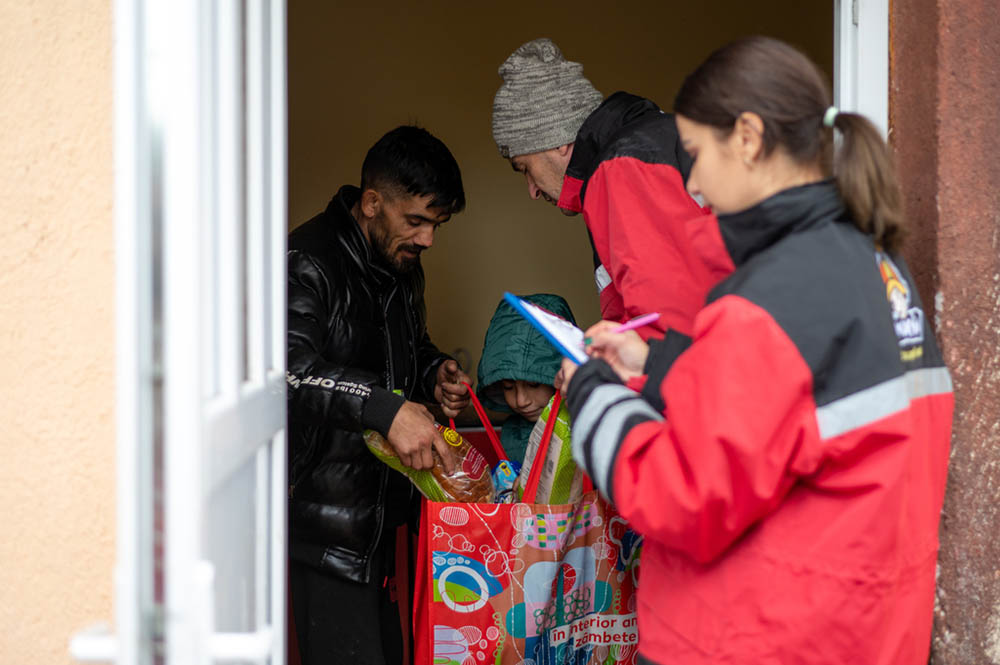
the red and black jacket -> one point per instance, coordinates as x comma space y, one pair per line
788, 471
655, 248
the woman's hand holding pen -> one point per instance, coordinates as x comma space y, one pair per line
624, 351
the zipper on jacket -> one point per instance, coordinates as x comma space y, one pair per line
383, 483
390, 369
411, 324
379, 522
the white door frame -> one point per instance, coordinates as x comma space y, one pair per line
200, 232
861, 59
137, 376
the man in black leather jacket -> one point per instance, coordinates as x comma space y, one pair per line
356, 334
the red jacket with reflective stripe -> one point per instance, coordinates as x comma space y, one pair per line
788, 473
655, 248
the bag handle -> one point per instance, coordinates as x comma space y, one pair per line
487, 425
531, 485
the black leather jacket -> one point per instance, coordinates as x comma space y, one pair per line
356, 331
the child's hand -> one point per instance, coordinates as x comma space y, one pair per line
625, 352
565, 375
449, 389
557, 382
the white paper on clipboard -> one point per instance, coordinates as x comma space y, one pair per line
561, 333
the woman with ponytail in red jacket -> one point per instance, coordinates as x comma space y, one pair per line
786, 463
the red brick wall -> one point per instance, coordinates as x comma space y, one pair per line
945, 130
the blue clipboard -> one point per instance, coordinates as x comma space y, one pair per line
563, 335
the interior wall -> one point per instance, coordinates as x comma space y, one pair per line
356, 70
57, 331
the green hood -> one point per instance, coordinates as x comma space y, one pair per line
514, 350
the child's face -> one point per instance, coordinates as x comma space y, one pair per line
527, 399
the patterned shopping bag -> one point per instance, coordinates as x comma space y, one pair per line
525, 583
561, 479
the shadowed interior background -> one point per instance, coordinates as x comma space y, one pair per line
355, 71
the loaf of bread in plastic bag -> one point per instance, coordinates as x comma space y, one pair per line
470, 482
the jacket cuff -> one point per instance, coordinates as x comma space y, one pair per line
591, 375
662, 354
380, 410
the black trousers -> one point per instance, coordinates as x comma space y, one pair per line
340, 622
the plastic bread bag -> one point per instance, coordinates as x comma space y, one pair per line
561, 481
470, 482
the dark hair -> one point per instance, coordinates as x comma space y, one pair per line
780, 84
412, 160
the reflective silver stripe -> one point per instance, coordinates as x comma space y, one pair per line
602, 278
609, 435
612, 405
598, 400
879, 401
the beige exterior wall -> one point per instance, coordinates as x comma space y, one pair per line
56, 326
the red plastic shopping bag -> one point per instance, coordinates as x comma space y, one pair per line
525, 582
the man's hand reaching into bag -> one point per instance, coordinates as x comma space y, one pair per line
412, 434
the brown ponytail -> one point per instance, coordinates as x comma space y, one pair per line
867, 180
781, 85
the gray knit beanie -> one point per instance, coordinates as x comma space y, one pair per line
543, 101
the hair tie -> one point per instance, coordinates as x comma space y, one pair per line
830, 116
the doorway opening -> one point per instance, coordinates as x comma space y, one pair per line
353, 72
357, 71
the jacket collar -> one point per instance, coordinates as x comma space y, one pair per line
614, 113
750, 231
349, 233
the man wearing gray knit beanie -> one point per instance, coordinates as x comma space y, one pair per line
619, 162
538, 111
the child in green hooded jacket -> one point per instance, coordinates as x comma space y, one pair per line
517, 370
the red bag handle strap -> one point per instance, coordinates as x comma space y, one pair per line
487, 425
531, 486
